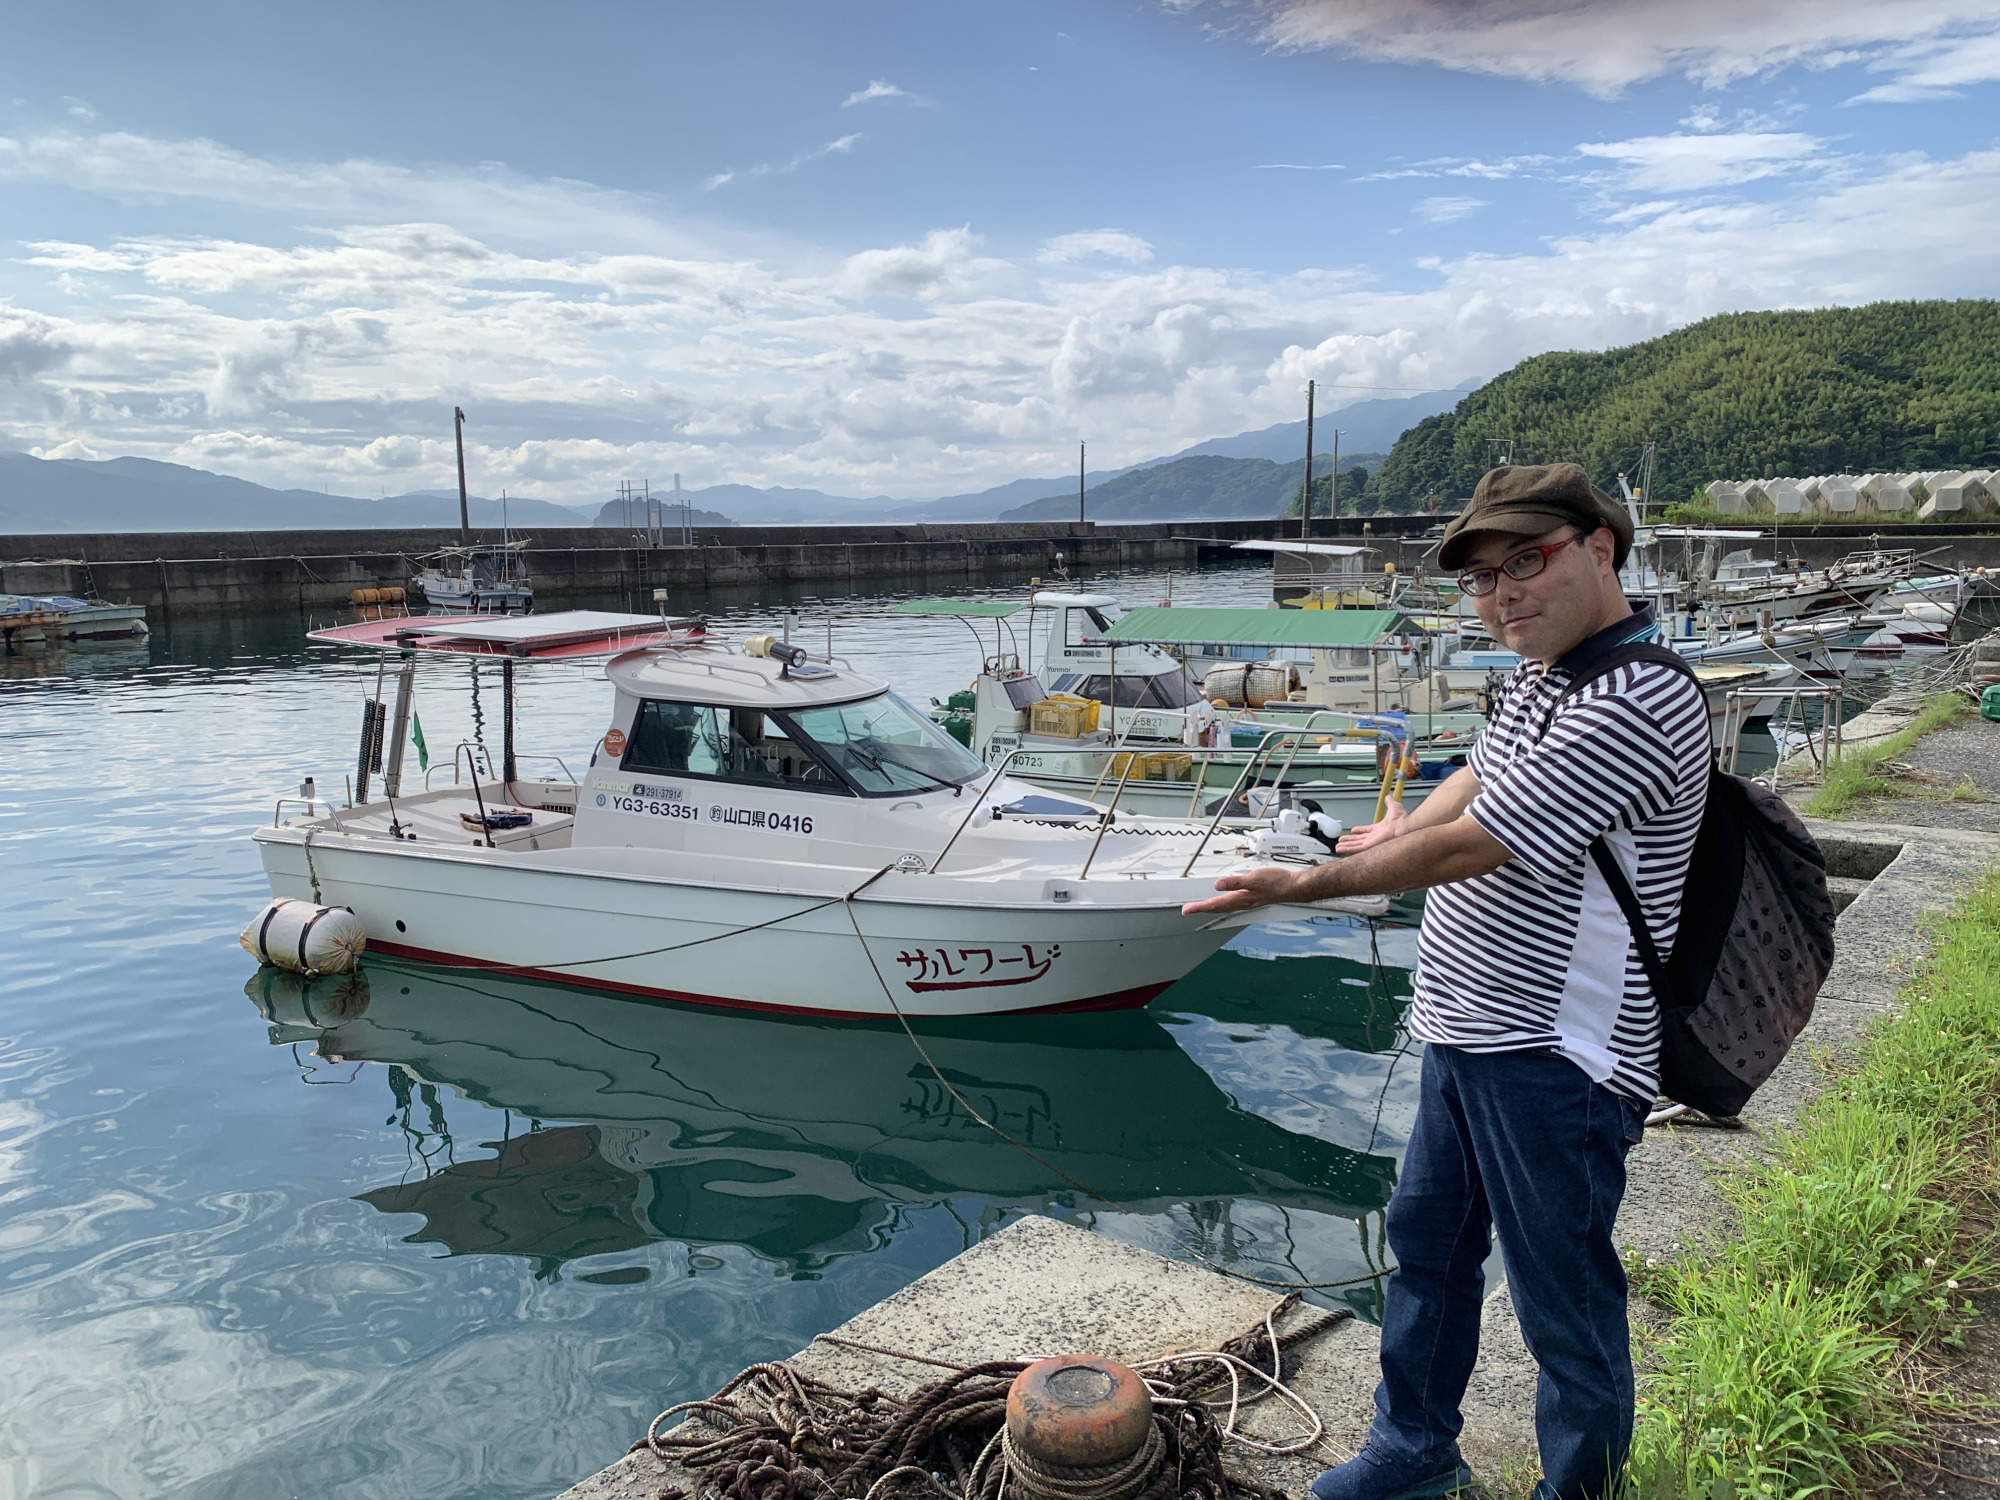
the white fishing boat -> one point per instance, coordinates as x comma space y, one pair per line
1124, 720
760, 830
488, 579
35, 618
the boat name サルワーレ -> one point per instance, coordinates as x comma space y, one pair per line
962, 968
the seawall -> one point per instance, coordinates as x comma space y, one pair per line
195, 573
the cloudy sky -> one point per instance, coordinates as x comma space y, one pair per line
917, 247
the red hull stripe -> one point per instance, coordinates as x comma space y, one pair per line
1121, 1000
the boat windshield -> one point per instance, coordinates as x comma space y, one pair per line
883, 746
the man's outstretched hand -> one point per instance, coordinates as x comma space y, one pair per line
1368, 835
1267, 886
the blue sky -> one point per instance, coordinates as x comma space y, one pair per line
914, 248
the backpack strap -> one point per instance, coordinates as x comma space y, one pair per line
1635, 918
1586, 672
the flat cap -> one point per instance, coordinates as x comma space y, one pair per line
1530, 499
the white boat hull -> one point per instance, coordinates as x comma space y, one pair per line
936, 948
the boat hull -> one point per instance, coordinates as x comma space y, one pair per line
1112, 945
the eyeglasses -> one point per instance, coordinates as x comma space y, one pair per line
1482, 581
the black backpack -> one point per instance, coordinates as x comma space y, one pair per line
1756, 934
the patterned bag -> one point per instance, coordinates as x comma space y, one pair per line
1755, 939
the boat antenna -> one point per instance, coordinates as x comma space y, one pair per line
464, 511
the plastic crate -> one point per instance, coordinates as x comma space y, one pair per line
1168, 767
1063, 718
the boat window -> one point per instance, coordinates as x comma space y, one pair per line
1067, 682
726, 744
1022, 691
883, 746
1082, 626
1168, 690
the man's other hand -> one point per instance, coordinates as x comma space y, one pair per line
1368, 835
1268, 886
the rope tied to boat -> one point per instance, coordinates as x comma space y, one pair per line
776, 1432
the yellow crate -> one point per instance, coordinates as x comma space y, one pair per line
1063, 718
1168, 767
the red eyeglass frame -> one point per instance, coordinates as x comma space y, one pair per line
1545, 551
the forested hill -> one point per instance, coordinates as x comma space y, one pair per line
1892, 386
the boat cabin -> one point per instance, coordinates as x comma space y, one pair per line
714, 752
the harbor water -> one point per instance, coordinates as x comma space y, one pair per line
425, 1232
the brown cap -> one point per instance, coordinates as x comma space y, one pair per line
1530, 499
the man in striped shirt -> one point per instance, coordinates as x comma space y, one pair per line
1541, 1030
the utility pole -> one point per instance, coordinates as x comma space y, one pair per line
1334, 510
1306, 495
1079, 483
464, 509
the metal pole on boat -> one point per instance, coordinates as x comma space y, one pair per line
507, 724
1079, 483
464, 508
406, 683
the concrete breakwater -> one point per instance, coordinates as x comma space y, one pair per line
206, 573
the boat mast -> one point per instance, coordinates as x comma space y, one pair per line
464, 511
1306, 494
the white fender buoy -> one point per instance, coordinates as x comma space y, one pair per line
305, 938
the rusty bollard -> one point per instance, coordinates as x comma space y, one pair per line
1081, 1425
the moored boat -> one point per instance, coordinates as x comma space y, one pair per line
765, 831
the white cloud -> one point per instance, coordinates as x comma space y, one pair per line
1689, 163
1603, 46
1931, 70
838, 147
878, 88
1108, 244
911, 369
1446, 210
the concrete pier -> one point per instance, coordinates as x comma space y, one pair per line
1040, 1287
192, 574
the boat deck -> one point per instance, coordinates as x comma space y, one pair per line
441, 816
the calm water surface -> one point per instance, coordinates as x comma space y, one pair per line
425, 1234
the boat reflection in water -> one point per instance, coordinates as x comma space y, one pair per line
804, 1141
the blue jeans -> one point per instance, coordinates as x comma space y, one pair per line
1525, 1145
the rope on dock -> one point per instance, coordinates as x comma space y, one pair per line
777, 1433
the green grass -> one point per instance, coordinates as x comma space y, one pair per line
1792, 1360
1852, 773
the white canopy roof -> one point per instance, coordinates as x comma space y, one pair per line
728, 679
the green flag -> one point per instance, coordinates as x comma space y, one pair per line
417, 735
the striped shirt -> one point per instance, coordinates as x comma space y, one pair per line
1536, 954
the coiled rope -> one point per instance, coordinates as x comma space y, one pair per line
777, 1433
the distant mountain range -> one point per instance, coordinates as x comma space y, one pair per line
1206, 486
138, 494
1234, 476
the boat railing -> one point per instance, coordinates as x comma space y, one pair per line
1259, 758
567, 773
472, 749
1824, 744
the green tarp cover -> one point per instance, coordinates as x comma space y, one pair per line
1158, 625
984, 609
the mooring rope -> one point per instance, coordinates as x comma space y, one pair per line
775, 1432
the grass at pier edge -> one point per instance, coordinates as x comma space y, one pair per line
1807, 1343
1852, 773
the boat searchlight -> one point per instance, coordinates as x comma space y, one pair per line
784, 654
